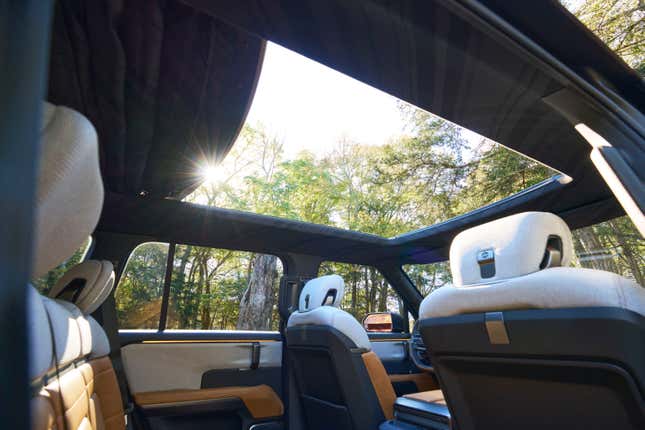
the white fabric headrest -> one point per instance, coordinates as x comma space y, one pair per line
41, 355
325, 290
70, 190
509, 247
87, 285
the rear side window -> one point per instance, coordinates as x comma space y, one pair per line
209, 289
140, 291
614, 245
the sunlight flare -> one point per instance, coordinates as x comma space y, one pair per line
210, 173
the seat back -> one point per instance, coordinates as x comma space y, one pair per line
340, 379
520, 342
73, 383
75, 386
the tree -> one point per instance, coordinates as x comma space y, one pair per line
618, 23
257, 301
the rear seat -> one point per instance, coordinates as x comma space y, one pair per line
73, 382
80, 389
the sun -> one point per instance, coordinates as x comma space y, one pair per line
210, 174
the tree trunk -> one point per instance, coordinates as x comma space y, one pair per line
354, 293
257, 301
382, 301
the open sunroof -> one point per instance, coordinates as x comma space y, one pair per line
321, 147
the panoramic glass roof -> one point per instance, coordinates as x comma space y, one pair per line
321, 147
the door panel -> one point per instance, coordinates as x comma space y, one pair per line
392, 349
172, 366
206, 372
406, 378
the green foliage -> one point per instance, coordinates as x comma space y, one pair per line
206, 288
614, 246
138, 296
618, 23
429, 277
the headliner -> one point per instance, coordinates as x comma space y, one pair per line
437, 57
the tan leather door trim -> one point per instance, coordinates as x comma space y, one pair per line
260, 400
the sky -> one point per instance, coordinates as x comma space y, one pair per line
311, 107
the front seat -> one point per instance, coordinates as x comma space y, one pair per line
520, 340
341, 382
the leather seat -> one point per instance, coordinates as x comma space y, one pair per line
81, 386
520, 340
341, 381
73, 383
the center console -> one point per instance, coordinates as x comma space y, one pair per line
419, 411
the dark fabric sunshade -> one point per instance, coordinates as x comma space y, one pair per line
164, 85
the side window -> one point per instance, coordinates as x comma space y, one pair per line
429, 277
46, 282
366, 290
140, 291
614, 245
210, 289
219, 289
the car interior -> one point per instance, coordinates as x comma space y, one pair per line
108, 104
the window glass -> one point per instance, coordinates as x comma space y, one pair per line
46, 282
620, 24
223, 290
210, 289
429, 277
614, 245
366, 290
140, 291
